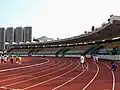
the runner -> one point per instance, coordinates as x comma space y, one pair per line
96, 58
93, 57
2, 59
20, 59
114, 66
5, 59
11, 59
83, 62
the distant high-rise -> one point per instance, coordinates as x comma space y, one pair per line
18, 34
9, 35
2, 39
27, 34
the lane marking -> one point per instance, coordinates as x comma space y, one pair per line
5, 88
51, 78
113, 76
15, 73
98, 69
38, 76
24, 66
70, 79
31, 74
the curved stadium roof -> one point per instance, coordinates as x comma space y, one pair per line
107, 31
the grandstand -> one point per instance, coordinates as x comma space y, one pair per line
101, 41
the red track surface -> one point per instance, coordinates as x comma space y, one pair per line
38, 73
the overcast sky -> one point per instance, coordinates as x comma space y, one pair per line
57, 18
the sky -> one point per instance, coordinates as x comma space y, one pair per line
57, 18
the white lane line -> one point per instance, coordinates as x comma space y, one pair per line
52, 78
31, 74
28, 71
113, 77
24, 66
70, 80
5, 88
98, 69
39, 76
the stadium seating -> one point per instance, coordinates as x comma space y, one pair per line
77, 50
112, 45
111, 48
103, 49
51, 51
47, 51
20, 50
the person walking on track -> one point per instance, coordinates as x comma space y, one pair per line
83, 62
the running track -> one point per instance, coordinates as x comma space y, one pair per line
38, 73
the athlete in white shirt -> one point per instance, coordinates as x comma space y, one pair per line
83, 62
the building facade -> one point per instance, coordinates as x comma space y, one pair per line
9, 35
2, 39
18, 34
27, 34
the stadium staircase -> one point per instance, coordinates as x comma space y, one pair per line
36, 51
9, 50
96, 49
59, 52
64, 51
31, 52
93, 49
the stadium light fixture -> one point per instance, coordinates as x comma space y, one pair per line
84, 43
93, 42
79, 43
60, 45
76, 43
103, 40
68, 44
